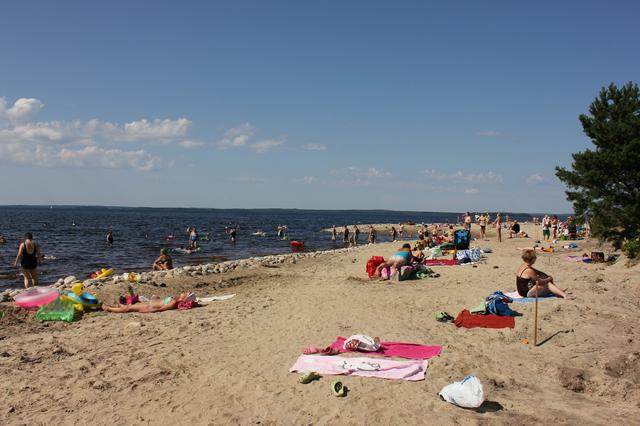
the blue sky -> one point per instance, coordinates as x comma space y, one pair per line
442, 106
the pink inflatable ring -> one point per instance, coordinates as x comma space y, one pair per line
36, 296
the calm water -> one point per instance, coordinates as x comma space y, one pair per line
139, 233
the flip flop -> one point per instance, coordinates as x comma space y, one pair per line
308, 377
310, 350
339, 389
329, 351
444, 317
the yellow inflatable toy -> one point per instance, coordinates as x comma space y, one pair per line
80, 299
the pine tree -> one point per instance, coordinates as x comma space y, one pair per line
604, 182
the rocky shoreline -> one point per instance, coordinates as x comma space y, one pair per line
63, 284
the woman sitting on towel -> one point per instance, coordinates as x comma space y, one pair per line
400, 258
166, 304
527, 277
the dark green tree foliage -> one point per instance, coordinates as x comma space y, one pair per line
605, 181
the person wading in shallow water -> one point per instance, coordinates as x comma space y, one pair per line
29, 257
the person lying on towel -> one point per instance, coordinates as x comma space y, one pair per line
527, 277
183, 301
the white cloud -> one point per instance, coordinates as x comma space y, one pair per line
191, 144
535, 179
461, 176
266, 145
357, 172
488, 133
236, 136
157, 129
22, 110
307, 180
471, 191
74, 143
315, 147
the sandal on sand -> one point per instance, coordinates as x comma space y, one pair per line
308, 377
310, 350
339, 389
329, 351
444, 317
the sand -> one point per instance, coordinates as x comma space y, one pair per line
228, 362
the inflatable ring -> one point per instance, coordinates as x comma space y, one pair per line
36, 296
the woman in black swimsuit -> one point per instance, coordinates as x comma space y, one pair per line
527, 277
29, 258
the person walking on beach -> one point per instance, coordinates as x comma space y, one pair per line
546, 227
356, 235
29, 257
345, 235
554, 227
334, 233
401, 231
498, 225
482, 222
467, 221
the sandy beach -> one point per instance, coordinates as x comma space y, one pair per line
228, 361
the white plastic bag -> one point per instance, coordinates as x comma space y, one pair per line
468, 393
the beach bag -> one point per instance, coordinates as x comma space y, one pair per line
461, 239
372, 264
597, 256
365, 343
467, 393
406, 272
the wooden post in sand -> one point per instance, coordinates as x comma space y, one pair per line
535, 320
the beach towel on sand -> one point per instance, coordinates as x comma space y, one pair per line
402, 350
440, 262
519, 299
365, 367
467, 320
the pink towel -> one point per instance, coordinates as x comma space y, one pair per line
364, 367
402, 350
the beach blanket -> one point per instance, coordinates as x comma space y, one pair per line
365, 367
402, 350
577, 258
214, 298
440, 262
467, 320
519, 299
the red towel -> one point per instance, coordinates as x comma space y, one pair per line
467, 320
440, 262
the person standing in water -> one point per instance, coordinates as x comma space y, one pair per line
394, 233
356, 234
110, 237
193, 238
401, 231
372, 234
233, 232
29, 257
334, 233
345, 235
